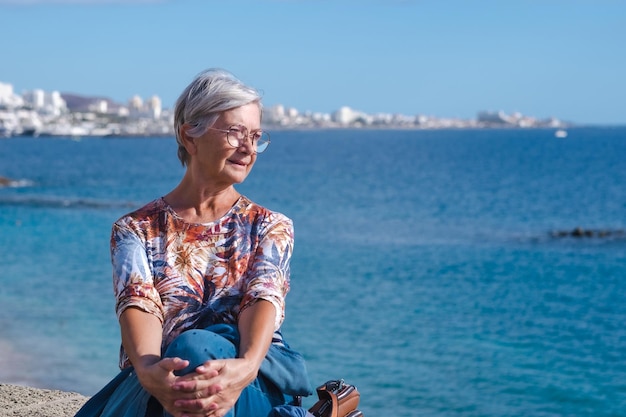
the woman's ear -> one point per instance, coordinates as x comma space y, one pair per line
188, 141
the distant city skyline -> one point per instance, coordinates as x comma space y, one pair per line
52, 113
554, 58
267, 108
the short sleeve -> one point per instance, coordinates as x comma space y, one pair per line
133, 282
270, 271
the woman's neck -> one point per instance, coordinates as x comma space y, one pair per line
201, 205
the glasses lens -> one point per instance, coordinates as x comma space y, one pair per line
236, 136
262, 142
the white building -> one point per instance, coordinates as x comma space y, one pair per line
8, 98
499, 118
151, 109
345, 115
100, 106
274, 114
45, 103
135, 106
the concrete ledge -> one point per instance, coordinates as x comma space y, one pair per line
19, 401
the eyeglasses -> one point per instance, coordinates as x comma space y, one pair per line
238, 135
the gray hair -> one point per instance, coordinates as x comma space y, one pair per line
212, 92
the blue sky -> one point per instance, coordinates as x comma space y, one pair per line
561, 58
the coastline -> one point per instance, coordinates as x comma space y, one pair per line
19, 396
23, 401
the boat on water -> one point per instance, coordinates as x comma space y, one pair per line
560, 133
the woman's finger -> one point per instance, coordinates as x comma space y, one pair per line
173, 364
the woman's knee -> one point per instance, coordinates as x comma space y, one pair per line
198, 346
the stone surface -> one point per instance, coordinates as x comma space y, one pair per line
19, 401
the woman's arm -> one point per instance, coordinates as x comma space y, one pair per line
141, 338
256, 328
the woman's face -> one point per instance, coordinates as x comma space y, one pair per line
216, 159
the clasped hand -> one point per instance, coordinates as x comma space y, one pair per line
211, 390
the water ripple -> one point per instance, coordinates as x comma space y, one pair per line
39, 201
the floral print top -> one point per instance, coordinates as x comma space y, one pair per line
193, 275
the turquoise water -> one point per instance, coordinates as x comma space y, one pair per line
424, 271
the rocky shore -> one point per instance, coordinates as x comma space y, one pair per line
20, 401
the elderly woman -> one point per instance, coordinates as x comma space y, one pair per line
200, 276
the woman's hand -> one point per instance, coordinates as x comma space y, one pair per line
141, 337
214, 387
159, 380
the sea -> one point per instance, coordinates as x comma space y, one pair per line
454, 273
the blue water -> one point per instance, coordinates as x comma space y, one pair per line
424, 270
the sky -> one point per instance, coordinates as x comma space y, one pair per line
441, 58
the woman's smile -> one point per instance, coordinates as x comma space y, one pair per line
238, 162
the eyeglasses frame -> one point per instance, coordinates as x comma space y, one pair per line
247, 137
